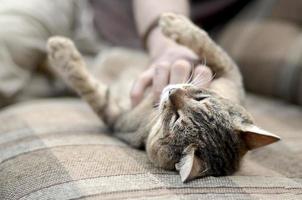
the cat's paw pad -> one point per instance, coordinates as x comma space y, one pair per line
61, 51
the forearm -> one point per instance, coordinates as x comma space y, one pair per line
146, 12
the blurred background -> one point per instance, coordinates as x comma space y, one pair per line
264, 38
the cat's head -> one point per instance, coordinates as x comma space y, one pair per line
201, 134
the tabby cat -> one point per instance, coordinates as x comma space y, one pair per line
197, 131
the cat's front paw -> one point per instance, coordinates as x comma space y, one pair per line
173, 25
181, 29
61, 51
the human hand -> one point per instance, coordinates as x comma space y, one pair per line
174, 65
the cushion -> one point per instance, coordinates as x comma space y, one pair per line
58, 149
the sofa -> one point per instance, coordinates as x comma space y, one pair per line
58, 149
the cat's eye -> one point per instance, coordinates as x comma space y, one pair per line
155, 106
200, 98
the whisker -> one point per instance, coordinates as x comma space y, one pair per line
214, 75
202, 81
192, 73
205, 81
190, 78
205, 61
154, 118
193, 82
157, 114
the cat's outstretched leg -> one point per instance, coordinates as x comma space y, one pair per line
69, 64
184, 32
131, 126
228, 81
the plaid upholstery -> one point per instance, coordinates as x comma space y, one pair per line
58, 149
265, 39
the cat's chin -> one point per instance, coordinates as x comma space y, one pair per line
160, 156
158, 153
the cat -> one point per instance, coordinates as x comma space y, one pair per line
197, 131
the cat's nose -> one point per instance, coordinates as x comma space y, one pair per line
176, 96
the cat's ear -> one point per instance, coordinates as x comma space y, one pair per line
255, 137
190, 166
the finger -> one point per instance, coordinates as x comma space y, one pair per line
137, 91
202, 76
160, 79
180, 71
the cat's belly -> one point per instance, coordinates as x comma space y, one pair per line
119, 68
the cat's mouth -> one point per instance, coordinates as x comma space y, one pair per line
176, 116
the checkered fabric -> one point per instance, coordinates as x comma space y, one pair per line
58, 149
